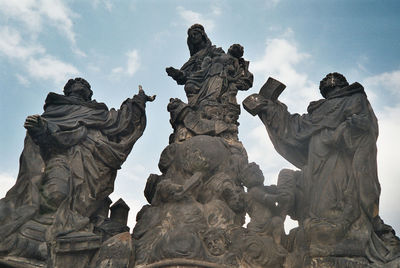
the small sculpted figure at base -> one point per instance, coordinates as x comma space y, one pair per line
67, 170
335, 195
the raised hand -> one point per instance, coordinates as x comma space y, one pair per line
145, 97
34, 123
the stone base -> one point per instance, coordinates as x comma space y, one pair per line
116, 252
74, 250
334, 262
182, 263
20, 262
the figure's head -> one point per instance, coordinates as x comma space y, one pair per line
331, 82
197, 38
234, 197
236, 50
216, 241
252, 176
78, 87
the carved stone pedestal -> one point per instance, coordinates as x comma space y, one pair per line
20, 262
182, 263
333, 262
73, 250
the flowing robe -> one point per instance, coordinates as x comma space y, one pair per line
338, 160
76, 155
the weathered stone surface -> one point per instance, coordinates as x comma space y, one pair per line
332, 262
116, 252
335, 193
20, 262
198, 204
67, 170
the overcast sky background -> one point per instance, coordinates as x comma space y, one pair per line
117, 45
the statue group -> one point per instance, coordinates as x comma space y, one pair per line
56, 215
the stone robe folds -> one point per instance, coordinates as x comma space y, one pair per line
335, 147
76, 157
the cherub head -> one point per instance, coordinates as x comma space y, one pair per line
252, 176
236, 50
216, 241
234, 197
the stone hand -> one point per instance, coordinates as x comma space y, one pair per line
142, 95
174, 103
174, 73
358, 121
35, 123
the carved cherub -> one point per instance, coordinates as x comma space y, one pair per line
261, 204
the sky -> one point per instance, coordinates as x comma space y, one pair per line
118, 45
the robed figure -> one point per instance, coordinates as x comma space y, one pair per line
67, 169
337, 190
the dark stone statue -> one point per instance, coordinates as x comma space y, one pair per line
197, 206
212, 79
56, 215
67, 170
335, 194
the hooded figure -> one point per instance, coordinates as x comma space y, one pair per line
334, 145
68, 166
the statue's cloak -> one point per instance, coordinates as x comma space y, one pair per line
90, 143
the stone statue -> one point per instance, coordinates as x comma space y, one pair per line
335, 195
67, 169
197, 206
212, 79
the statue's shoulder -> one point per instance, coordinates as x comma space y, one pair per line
58, 99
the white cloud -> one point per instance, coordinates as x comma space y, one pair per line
59, 15
33, 57
386, 82
11, 45
35, 13
25, 11
280, 59
132, 64
22, 80
50, 68
6, 182
22, 45
191, 17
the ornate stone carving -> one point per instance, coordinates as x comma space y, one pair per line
335, 193
198, 204
71, 155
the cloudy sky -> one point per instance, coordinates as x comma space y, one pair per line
117, 45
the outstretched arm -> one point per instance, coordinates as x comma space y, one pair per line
178, 75
290, 133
